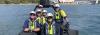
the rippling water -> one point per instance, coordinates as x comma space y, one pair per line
85, 18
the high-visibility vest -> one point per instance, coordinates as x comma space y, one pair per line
57, 15
39, 19
50, 29
43, 20
31, 25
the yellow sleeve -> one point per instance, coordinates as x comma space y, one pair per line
62, 12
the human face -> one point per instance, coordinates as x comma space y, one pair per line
57, 9
38, 14
44, 14
33, 16
50, 19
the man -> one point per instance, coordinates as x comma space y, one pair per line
43, 17
30, 25
50, 25
38, 19
60, 17
38, 15
43, 21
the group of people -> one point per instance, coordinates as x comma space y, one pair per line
43, 23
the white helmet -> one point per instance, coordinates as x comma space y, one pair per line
33, 12
40, 5
44, 10
49, 14
38, 10
56, 5
54, 2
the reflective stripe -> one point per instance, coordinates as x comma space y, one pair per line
31, 25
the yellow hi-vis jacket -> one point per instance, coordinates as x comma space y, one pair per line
41, 20
32, 25
60, 14
38, 19
50, 29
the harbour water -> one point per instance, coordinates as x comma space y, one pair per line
84, 18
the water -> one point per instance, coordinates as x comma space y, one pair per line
84, 18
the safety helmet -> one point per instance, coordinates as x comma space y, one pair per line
33, 12
44, 11
54, 2
38, 10
40, 6
56, 5
49, 14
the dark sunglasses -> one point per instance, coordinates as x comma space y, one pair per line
50, 17
33, 14
38, 12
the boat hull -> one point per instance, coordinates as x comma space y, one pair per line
70, 32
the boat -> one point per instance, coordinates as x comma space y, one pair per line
70, 31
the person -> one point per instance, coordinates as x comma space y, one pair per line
60, 17
38, 19
43, 18
50, 25
38, 15
38, 7
30, 25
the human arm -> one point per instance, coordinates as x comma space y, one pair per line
25, 26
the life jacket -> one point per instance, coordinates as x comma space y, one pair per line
32, 24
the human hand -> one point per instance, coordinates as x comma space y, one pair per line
26, 29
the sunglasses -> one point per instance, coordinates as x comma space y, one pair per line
33, 14
38, 13
49, 17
